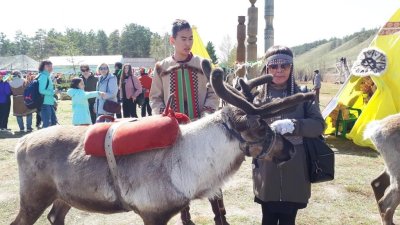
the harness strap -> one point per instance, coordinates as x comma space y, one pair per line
265, 150
112, 164
245, 145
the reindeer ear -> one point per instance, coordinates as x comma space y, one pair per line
206, 67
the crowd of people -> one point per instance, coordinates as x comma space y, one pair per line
122, 86
281, 190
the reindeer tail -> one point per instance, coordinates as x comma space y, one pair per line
372, 129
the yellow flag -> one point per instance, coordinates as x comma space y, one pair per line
198, 46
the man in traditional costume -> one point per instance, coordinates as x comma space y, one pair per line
182, 76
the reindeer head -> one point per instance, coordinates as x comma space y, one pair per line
245, 121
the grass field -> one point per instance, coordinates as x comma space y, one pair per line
346, 200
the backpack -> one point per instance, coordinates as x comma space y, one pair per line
32, 97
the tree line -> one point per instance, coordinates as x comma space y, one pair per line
134, 41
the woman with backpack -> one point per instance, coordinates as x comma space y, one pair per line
130, 88
18, 86
29, 79
46, 88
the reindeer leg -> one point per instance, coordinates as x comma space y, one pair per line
380, 184
159, 217
33, 201
58, 212
155, 221
389, 202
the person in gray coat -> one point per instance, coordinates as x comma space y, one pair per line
317, 85
108, 84
283, 189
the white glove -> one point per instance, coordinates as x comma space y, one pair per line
285, 126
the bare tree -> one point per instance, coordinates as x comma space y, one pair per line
225, 48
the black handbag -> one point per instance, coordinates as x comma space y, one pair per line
112, 107
320, 158
140, 98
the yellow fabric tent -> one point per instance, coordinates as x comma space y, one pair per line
198, 46
386, 98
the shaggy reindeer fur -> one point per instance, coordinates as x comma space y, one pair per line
53, 167
385, 135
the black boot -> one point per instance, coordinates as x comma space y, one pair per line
185, 216
218, 208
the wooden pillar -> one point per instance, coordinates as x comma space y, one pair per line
241, 37
252, 38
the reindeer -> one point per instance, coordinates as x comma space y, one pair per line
157, 184
385, 135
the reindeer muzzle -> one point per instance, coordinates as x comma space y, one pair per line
256, 149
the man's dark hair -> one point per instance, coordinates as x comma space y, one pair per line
75, 82
118, 64
316, 71
43, 64
179, 25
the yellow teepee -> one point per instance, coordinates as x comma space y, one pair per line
198, 46
379, 63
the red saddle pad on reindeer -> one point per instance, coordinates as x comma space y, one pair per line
133, 136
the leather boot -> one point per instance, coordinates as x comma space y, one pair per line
217, 205
185, 216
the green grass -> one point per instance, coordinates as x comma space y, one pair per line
347, 200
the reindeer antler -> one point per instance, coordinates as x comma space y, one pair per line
237, 99
206, 67
249, 85
229, 96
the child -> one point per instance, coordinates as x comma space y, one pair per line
80, 105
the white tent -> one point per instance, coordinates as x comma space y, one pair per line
70, 64
18, 62
140, 62
90, 60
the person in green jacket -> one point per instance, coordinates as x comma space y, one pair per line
46, 88
80, 105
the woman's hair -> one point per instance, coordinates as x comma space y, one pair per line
30, 77
75, 82
84, 67
278, 49
179, 25
118, 65
103, 64
16, 73
43, 64
125, 75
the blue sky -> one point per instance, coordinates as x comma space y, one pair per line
296, 21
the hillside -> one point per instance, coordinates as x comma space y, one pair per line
324, 54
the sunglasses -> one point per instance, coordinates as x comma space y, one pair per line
84, 70
282, 66
103, 68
